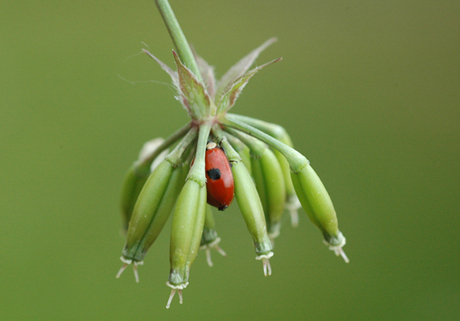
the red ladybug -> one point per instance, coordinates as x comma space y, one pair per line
219, 183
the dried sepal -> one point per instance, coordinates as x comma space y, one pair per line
165, 67
194, 96
229, 97
241, 67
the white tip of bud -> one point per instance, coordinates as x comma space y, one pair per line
123, 267
208, 256
214, 245
149, 148
273, 236
338, 249
293, 205
340, 252
267, 267
220, 251
181, 300
171, 296
174, 289
136, 274
266, 263
127, 262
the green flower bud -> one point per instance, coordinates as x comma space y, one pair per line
318, 205
278, 132
132, 185
292, 203
155, 203
269, 180
309, 188
136, 177
253, 214
209, 239
186, 232
150, 213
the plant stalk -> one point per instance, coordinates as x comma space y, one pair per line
178, 37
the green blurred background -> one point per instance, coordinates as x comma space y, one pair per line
369, 91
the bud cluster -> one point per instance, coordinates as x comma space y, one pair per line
216, 157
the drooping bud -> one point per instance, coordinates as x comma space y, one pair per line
161, 213
278, 132
253, 214
186, 232
155, 203
137, 176
309, 188
318, 205
251, 208
144, 214
269, 180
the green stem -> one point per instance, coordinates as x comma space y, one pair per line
175, 157
274, 130
296, 160
232, 155
256, 146
143, 168
197, 172
178, 37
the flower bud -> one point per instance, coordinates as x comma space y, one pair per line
318, 205
154, 205
137, 176
252, 210
292, 203
132, 185
186, 233
278, 132
269, 180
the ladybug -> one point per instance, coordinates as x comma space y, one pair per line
219, 179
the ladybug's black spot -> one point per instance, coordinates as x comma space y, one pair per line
214, 174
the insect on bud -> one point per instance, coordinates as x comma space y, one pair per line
219, 180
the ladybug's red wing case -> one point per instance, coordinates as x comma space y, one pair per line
219, 178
